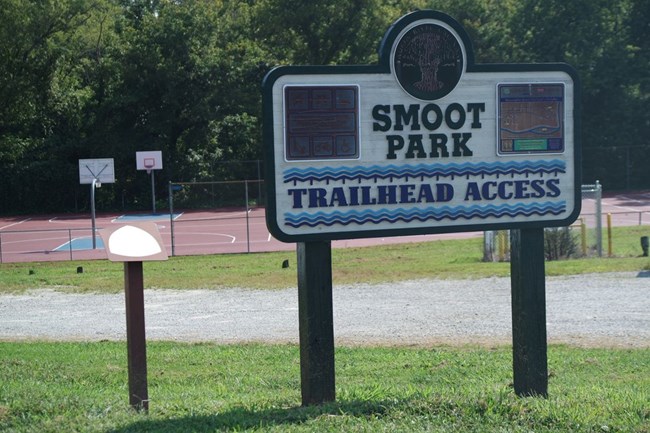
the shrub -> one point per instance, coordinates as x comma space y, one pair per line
560, 243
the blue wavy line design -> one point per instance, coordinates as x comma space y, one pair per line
424, 214
393, 171
539, 130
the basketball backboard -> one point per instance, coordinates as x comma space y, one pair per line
150, 160
101, 169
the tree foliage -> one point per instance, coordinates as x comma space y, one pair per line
106, 78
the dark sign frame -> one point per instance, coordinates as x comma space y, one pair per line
384, 67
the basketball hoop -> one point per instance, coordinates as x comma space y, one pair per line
149, 164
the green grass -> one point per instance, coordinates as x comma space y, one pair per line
438, 259
82, 387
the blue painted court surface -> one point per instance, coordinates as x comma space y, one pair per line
83, 243
86, 242
146, 217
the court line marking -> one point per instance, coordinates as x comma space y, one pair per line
64, 220
628, 198
629, 209
24, 241
219, 218
233, 238
15, 224
632, 199
126, 218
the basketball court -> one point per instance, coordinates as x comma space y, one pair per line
68, 237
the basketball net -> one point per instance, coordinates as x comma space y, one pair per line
149, 164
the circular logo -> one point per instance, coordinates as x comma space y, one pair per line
428, 61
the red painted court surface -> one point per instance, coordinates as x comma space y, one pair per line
68, 237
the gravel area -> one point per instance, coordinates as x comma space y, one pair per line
596, 310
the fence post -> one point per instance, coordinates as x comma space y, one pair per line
248, 234
70, 242
488, 245
0, 247
599, 219
583, 235
171, 215
259, 182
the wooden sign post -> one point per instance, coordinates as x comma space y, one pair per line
132, 244
529, 347
426, 141
316, 323
136, 342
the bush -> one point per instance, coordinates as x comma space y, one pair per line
560, 243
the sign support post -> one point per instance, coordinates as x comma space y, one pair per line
132, 244
529, 346
316, 322
135, 336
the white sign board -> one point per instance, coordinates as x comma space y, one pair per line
425, 142
134, 242
102, 169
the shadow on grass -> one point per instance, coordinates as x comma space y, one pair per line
238, 419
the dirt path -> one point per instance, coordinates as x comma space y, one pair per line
588, 310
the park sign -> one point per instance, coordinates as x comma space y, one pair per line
426, 141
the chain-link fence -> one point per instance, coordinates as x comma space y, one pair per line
583, 238
591, 220
226, 202
216, 195
224, 217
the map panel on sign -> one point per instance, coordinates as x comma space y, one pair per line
531, 118
321, 122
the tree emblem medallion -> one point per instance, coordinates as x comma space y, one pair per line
428, 62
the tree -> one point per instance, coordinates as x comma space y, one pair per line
593, 36
186, 83
38, 42
105, 78
325, 32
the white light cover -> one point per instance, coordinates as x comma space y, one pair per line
130, 241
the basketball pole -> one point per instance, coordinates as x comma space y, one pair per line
93, 185
153, 191
150, 161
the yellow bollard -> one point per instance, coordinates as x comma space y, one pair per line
501, 245
609, 234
